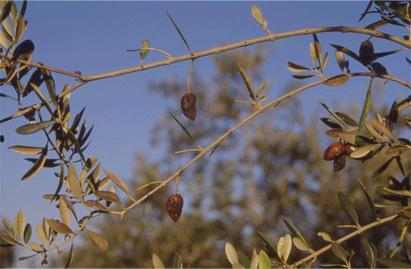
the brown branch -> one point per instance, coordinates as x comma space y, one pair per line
44, 67
248, 42
218, 140
347, 237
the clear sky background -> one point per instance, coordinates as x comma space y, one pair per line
93, 37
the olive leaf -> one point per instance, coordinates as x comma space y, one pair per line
348, 207
32, 128
38, 165
59, 227
157, 263
100, 241
74, 183
258, 16
231, 253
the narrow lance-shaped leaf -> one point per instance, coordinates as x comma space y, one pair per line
27, 233
26, 149
32, 128
51, 86
74, 182
318, 51
118, 181
231, 253
179, 31
348, 207
19, 223
258, 16
367, 9
336, 81
293, 67
294, 230
64, 211
144, 50
40, 233
38, 165
247, 82
6, 10
347, 51
369, 200
59, 227
340, 252
100, 241
70, 256
368, 253
184, 129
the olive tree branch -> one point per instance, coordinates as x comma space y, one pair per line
252, 116
347, 237
217, 50
248, 42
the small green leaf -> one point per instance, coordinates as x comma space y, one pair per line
32, 128
263, 260
144, 50
367, 104
340, 252
294, 230
347, 119
27, 233
369, 200
299, 244
325, 236
348, 207
258, 16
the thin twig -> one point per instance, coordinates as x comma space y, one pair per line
344, 238
44, 67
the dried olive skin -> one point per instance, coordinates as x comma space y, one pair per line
174, 206
189, 105
367, 52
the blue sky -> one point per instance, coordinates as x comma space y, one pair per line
93, 37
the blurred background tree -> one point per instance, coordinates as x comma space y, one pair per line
268, 170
